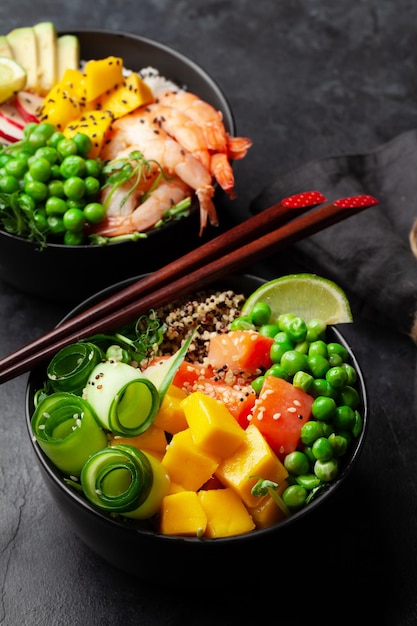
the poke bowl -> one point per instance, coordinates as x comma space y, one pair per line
193, 549
97, 261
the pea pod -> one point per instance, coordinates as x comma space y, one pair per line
67, 431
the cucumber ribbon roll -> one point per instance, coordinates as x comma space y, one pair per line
67, 431
122, 479
70, 367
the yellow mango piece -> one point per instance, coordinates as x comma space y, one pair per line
101, 76
73, 81
268, 512
152, 440
226, 513
59, 107
171, 416
182, 514
126, 97
254, 457
95, 124
186, 463
175, 487
212, 425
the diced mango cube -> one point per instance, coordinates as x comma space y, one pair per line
95, 124
182, 514
226, 513
212, 425
102, 75
171, 416
132, 93
254, 457
59, 107
188, 464
152, 440
267, 512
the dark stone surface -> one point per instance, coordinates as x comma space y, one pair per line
305, 79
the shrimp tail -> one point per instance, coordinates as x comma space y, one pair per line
207, 208
222, 171
237, 147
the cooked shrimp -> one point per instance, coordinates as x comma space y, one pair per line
141, 217
137, 132
205, 115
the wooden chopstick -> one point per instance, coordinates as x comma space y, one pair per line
278, 214
237, 249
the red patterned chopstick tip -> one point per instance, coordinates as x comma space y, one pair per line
305, 199
356, 201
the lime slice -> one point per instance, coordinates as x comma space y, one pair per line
12, 78
306, 295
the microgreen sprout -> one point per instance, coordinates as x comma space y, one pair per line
264, 487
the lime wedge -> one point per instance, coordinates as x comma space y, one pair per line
306, 295
12, 78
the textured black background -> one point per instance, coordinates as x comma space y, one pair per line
305, 79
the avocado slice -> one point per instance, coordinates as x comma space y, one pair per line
23, 44
5, 49
46, 38
68, 54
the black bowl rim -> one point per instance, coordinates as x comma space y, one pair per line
198, 69
126, 526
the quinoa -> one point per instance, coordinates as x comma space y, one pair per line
210, 310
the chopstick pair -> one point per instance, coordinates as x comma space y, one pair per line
281, 225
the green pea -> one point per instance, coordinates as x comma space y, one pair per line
240, 323
308, 481
351, 373
337, 348
293, 361
316, 330
37, 190
277, 350
40, 169
344, 418
323, 408
260, 313
55, 138
322, 449
56, 224
297, 462
16, 167
357, 428
350, 396
92, 185
284, 319
48, 153
73, 239
268, 330
84, 144
335, 360
26, 203
302, 380
318, 347
302, 346
66, 147
326, 471
72, 165
297, 329
338, 443
74, 220
310, 431
337, 377
94, 212
278, 371
74, 187
74, 203
56, 188
41, 222
318, 365
9, 184
294, 496
320, 387
92, 168
4, 158
55, 206
257, 384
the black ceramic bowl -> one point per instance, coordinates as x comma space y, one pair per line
89, 268
190, 561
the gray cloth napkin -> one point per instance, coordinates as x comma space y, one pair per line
369, 254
